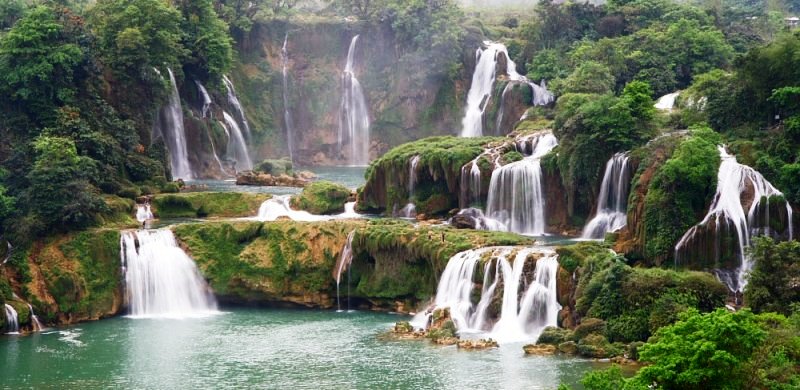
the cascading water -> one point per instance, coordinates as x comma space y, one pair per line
481, 87
410, 209
175, 135
735, 181
612, 204
161, 280
280, 207
516, 192
237, 147
353, 113
287, 116
523, 316
37, 326
234, 100
667, 102
206, 99
12, 320
470, 184
343, 263
143, 213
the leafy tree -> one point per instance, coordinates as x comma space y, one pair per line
588, 77
38, 63
772, 284
10, 12
206, 37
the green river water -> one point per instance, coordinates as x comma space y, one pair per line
265, 348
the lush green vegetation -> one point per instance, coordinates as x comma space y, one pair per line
208, 204
322, 197
772, 284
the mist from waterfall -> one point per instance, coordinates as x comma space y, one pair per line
612, 203
516, 190
353, 114
727, 210
174, 133
481, 88
528, 304
287, 115
237, 146
161, 280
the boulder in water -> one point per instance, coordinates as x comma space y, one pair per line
322, 197
252, 178
473, 345
539, 349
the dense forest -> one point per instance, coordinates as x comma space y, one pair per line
87, 88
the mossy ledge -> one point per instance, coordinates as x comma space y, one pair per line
395, 265
208, 204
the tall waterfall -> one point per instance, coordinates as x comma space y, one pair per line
480, 89
161, 280
516, 192
175, 135
470, 184
410, 209
237, 147
206, 98
287, 115
612, 203
729, 210
12, 320
528, 304
234, 100
343, 264
353, 113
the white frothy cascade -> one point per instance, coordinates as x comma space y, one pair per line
480, 90
410, 209
733, 181
35, 324
12, 320
528, 306
612, 203
667, 102
516, 192
353, 113
234, 101
237, 146
161, 280
143, 213
287, 115
206, 99
343, 264
175, 135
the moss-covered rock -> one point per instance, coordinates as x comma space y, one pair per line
322, 197
208, 204
555, 336
275, 167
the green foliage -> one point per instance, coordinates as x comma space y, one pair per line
322, 197
275, 167
772, 284
208, 204
206, 38
588, 77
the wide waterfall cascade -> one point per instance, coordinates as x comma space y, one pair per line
528, 306
279, 207
206, 99
161, 280
343, 264
410, 209
287, 115
612, 203
733, 181
516, 191
237, 147
234, 101
480, 89
12, 320
35, 323
353, 113
667, 102
175, 135
143, 213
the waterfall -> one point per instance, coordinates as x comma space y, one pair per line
480, 89
727, 210
343, 263
161, 280
522, 317
353, 113
667, 102
287, 116
470, 184
516, 193
35, 324
206, 98
175, 134
236, 104
237, 147
143, 213
410, 209
278, 207
9, 252
612, 204
12, 320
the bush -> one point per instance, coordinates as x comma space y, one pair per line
322, 197
275, 167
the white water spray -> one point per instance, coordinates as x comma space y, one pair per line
612, 204
234, 100
667, 102
12, 320
206, 99
410, 209
237, 147
175, 135
343, 264
353, 113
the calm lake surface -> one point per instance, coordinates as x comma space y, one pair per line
265, 348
